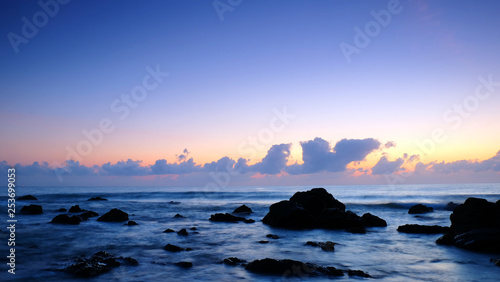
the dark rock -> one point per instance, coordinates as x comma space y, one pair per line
360, 273
179, 216
495, 261
193, 228
419, 208
27, 198
225, 217
356, 230
287, 268
184, 264
370, 220
97, 199
169, 231
89, 214
243, 209
31, 209
182, 232
174, 248
114, 215
65, 219
249, 220
99, 263
174, 203
337, 219
423, 229
475, 225
62, 210
450, 206
316, 200
263, 241
131, 223
289, 214
233, 261
328, 246
272, 236
75, 209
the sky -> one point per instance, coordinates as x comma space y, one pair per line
236, 92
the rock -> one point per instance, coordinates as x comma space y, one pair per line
422, 229
169, 231
97, 199
316, 200
243, 209
27, 198
450, 206
193, 228
272, 236
289, 214
263, 242
328, 246
495, 261
184, 264
62, 210
174, 203
65, 219
475, 225
287, 268
419, 208
182, 232
225, 217
75, 209
131, 223
174, 248
233, 261
32, 209
179, 216
114, 215
249, 220
89, 214
358, 273
370, 220
99, 263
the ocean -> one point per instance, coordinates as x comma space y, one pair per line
384, 253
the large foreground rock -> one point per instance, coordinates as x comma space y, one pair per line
475, 225
317, 209
114, 215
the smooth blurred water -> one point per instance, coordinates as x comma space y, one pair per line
41, 248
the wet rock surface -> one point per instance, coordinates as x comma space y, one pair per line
97, 264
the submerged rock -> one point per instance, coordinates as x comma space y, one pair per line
317, 208
97, 199
423, 229
272, 236
233, 261
183, 232
89, 214
179, 216
225, 217
99, 263
419, 208
174, 248
169, 231
27, 198
62, 210
450, 206
328, 246
66, 219
131, 223
75, 209
184, 264
32, 209
475, 225
114, 215
243, 209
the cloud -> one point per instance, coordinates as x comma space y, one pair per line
275, 160
129, 168
223, 164
492, 164
384, 166
183, 157
318, 155
390, 144
162, 167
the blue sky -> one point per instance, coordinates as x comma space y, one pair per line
228, 76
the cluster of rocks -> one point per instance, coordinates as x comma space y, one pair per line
99, 263
475, 225
114, 215
227, 217
317, 208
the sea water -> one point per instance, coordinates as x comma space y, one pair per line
42, 249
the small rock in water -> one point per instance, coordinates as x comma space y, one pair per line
27, 198
233, 261
65, 219
75, 209
182, 232
169, 231
97, 199
328, 246
450, 206
370, 220
243, 209
359, 273
114, 215
419, 208
225, 217
32, 209
100, 262
263, 242
184, 264
131, 223
179, 216
287, 268
174, 248
272, 236
89, 214
193, 228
